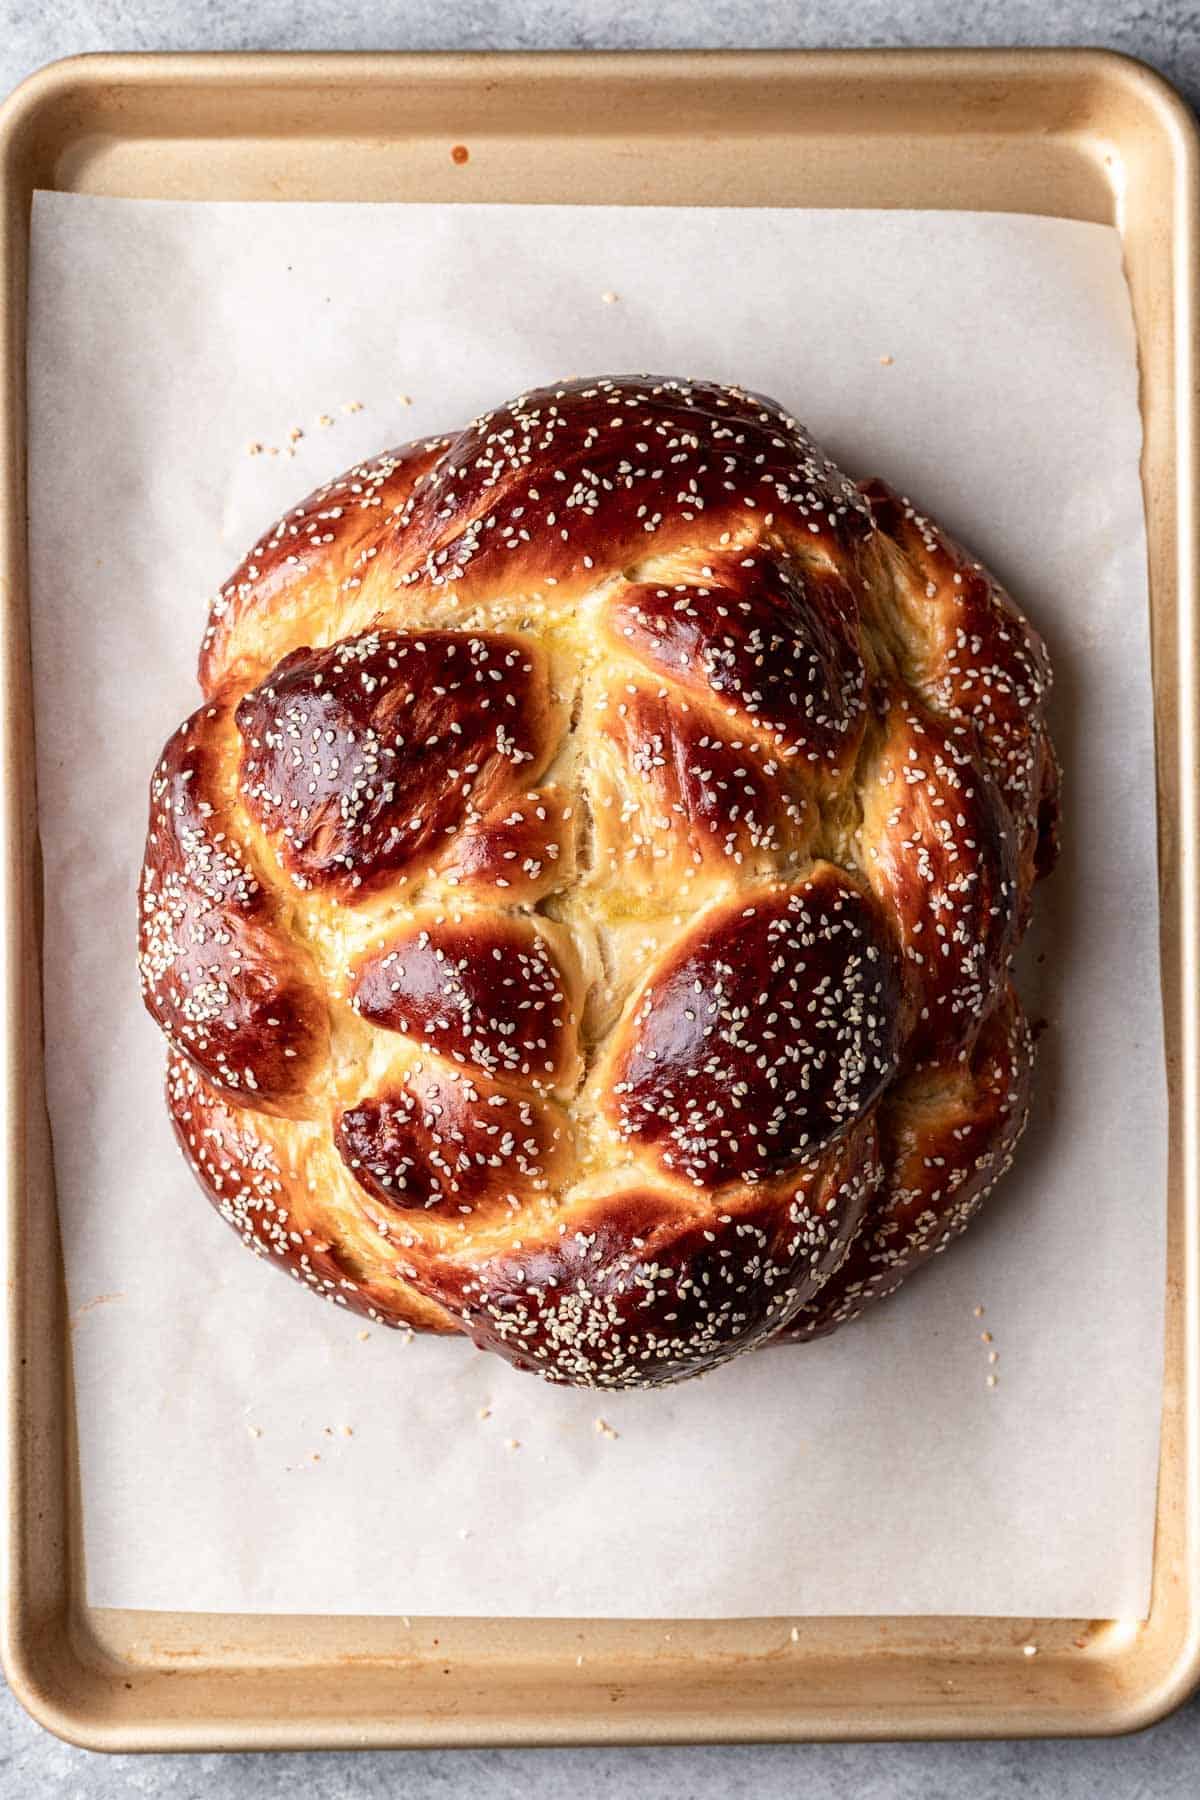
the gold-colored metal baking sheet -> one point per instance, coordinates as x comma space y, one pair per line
1078, 133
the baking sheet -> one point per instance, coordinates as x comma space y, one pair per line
986, 363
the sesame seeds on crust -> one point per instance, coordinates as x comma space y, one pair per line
948, 1133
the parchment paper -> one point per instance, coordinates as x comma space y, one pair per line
984, 363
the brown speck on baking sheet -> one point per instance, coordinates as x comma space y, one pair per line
460, 154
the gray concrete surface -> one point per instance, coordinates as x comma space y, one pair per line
1163, 1764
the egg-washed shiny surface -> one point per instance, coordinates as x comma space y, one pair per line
581, 911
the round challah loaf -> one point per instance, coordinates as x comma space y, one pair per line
581, 911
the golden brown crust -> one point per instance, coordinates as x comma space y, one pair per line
676, 799
282, 1187
582, 914
307, 570
517, 852
976, 660
938, 847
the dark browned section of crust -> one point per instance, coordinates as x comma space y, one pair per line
947, 1134
640, 1290
598, 473
774, 1026
774, 641
226, 987
1048, 820
450, 1143
486, 992
358, 760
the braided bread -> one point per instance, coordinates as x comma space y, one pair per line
581, 911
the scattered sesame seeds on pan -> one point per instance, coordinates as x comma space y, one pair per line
581, 910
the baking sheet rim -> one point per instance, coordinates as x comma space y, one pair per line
27, 1678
